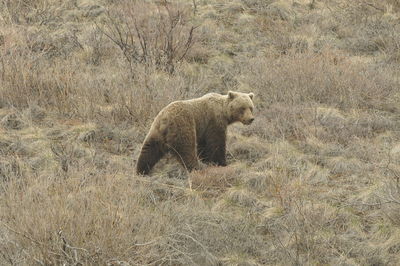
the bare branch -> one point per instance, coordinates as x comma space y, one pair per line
162, 42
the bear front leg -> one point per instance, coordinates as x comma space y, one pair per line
215, 150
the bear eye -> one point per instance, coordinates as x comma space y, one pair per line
251, 109
242, 109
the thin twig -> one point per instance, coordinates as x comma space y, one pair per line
22, 234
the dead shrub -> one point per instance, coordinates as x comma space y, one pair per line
60, 43
378, 35
334, 127
30, 11
98, 49
68, 156
30, 78
324, 78
279, 121
149, 34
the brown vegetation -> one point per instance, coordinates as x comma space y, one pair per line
313, 181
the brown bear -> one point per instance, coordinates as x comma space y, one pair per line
195, 128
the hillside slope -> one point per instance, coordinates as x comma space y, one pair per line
313, 181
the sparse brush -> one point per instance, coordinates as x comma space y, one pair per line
213, 180
313, 181
152, 35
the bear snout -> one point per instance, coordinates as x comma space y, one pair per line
248, 121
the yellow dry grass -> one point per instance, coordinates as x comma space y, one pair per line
313, 181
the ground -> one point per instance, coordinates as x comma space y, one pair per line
313, 181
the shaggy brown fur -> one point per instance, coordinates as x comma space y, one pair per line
195, 128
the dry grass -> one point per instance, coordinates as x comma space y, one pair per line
313, 181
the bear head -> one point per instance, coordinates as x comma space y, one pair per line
240, 107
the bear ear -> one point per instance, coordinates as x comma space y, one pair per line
251, 95
231, 95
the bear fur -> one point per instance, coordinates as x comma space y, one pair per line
195, 128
